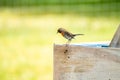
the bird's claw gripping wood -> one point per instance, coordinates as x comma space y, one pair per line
68, 35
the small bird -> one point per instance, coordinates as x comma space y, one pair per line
67, 34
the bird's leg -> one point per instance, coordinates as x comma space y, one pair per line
68, 42
67, 46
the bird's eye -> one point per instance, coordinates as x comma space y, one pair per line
59, 31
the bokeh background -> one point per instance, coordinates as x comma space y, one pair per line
28, 32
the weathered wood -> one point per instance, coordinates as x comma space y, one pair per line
116, 39
85, 63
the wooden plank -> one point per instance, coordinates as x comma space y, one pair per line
85, 63
116, 39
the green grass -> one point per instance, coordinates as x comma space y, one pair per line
26, 41
23, 54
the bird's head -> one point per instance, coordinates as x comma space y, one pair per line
60, 30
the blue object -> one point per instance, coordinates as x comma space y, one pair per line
95, 44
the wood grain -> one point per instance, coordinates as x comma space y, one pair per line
86, 63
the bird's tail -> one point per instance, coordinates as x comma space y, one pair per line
77, 34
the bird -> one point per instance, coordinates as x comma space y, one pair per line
66, 34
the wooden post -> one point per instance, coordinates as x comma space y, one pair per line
116, 39
85, 63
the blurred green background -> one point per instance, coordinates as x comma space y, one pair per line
28, 32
